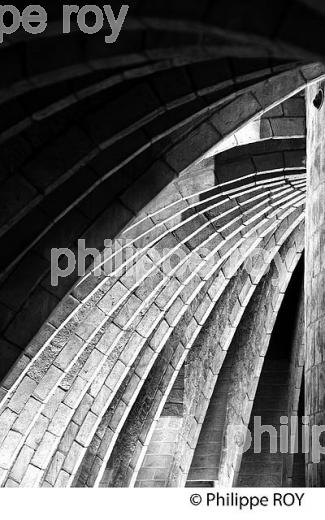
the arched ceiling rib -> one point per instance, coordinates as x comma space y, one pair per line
188, 140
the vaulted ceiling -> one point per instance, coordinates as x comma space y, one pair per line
186, 141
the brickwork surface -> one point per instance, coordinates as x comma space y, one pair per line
314, 281
189, 141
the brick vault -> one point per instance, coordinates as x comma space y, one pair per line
179, 158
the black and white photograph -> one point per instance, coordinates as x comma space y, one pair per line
162, 258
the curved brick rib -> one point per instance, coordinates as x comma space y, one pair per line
285, 121
42, 367
161, 175
246, 356
205, 135
196, 210
104, 282
133, 388
40, 293
225, 337
72, 301
285, 265
160, 71
71, 219
153, 110
163, 235
173, 469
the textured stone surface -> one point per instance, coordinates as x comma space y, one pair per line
314, 284
104, 143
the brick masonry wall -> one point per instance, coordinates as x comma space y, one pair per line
154, 143
87, 377
79, 373
198, 370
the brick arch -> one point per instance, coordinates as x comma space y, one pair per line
43, 371
86, 393
207, 177
190, 457
64, 210
131, 423
285, 121
230, 67
240, 414
188, 324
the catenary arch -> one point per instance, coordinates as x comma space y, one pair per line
169, 136
276, 197
67, 209
232, 396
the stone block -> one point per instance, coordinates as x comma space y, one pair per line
148, 186
90, 323
9, 448
23, 280
193, 147
7, 419
83, 409
39, 339
149, 321
75, 392
31, 317
113, 298
63, 311
68, 353
277, 87
68, 438
108, 340
32, 477
229, 118
131, 350
53, 403
91, 365
48, 382
86, 431
149, 285
60, 420
54, 468
128, 311
44, 451
160, 335
22, 393
36, 434
74, 457
27, 415
101, 401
